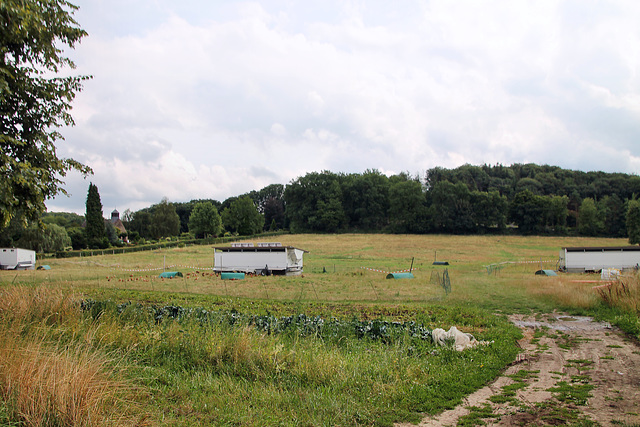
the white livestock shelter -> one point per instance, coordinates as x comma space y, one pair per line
262, 259
17, 259
581, 259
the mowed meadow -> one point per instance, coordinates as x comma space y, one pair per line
339, 345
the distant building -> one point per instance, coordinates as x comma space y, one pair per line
117, 223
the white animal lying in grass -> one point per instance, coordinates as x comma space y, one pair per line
460, 340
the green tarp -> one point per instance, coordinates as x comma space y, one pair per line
170, 274
232, 276
546, 273
400, 276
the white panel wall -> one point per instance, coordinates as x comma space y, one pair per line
602, 259
250, 261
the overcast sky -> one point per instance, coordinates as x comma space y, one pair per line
199, 99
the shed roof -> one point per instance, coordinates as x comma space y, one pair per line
256, 249
602, 248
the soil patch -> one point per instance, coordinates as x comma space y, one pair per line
571, 370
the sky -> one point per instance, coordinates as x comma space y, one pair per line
201, 99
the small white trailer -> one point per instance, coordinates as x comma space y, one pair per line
262, 259
597, 258
17, 259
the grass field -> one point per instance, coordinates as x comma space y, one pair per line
189, 372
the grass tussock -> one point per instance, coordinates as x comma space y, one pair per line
623, 293
24, 306
58, 387
43, 383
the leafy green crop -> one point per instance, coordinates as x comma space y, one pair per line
299, 325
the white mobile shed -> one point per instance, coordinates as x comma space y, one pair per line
581, 259
17, 259
265, 258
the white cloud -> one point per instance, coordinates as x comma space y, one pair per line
213, 101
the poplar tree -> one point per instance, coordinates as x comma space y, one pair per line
94, 229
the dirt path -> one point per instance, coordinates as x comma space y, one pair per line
593, 372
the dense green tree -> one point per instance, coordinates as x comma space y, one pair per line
270, 203
78, 238
184, 211
612, 209
530, 184
366, 200
436, 175
314, 203
242, 217
526, 211
329, 216
63, 219
10, 234
49, 238
263, 196
407, 207
501, 179
589, 221
94, 228
452, 208
140, 224
274, 213
490, 210
34, 102
633, 221
474, 177
227, 202
165, 222
555, 213
205, 220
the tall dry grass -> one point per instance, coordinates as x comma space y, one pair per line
563, 291
622, 293
43, 383
588, 292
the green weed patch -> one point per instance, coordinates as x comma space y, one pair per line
476, 416
508, 393
571, 392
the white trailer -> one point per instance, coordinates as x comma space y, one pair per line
581, 259
17, 259
263, 259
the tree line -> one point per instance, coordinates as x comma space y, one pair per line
521, 198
